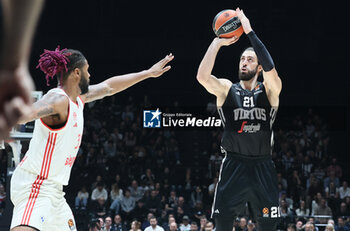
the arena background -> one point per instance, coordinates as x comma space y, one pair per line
306, 40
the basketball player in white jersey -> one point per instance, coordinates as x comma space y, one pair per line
36, 184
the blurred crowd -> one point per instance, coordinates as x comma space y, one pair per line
127, 177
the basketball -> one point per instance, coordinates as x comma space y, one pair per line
226, 24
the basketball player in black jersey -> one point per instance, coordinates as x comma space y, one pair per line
247, 109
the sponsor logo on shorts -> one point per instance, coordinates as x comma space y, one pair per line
265, 212
71, 224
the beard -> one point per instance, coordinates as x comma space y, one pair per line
246, 76
84, 84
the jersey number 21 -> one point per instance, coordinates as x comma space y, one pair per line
248, 101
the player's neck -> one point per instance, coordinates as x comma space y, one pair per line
72, 91
248, 84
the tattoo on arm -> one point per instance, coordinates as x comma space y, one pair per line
45, 107
45, 111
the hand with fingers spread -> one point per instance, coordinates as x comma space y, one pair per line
160, 67
244, 21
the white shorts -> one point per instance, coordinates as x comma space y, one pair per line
39, 203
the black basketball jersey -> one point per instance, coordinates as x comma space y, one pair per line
247, 117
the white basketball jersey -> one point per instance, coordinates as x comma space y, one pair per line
52, 152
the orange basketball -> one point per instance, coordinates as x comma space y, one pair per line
226, 24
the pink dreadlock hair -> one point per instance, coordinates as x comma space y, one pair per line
53, 62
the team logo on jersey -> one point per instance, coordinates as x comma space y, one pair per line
70, 161
253, 114
71, 224
152, 118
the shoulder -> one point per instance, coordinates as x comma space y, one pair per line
55, 95
226, 82
56, 102
56, 98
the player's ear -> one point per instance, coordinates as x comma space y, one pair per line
260, 70
77, 73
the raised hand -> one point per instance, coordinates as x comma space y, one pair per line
244, 21
159, 68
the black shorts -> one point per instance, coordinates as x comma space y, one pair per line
248, 181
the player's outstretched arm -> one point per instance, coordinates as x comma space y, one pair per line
272, 81
49, 104
119, 83
215, 86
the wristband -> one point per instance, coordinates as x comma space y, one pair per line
263, 55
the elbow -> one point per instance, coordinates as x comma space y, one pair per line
201, 78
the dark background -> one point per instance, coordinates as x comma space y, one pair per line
307, 40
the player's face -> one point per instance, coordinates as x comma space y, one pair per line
248, 65
85, 79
